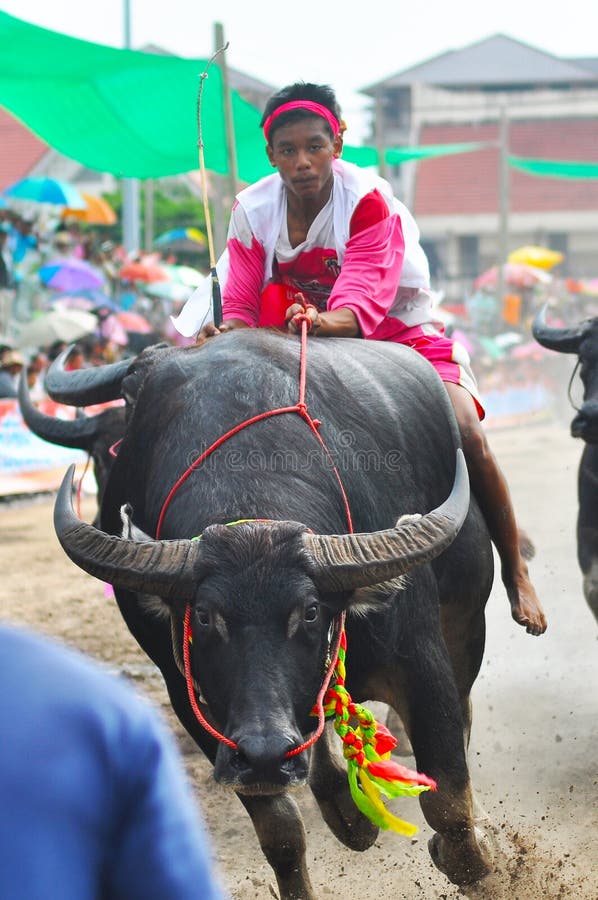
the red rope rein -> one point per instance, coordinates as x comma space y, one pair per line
300, 408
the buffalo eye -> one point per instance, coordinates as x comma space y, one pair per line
203, 618
312, 612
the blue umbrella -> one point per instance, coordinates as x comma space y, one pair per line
46, 190
190, 240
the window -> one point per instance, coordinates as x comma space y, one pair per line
469, 255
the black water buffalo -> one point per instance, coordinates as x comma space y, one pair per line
263, 595
582, 340
95, 434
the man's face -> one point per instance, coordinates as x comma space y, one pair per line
303, 152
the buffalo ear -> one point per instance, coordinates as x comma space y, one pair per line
376, 597
130, 531
152, 603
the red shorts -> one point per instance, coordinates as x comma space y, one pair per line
449, 358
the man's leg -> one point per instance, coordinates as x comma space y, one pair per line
492, 493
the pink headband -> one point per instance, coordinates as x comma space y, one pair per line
307, 105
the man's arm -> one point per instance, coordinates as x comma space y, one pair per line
339, 323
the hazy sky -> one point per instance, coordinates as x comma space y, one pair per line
348, 44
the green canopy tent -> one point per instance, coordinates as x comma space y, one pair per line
555, 168
125, 112
134, 114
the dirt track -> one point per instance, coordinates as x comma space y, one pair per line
533, 758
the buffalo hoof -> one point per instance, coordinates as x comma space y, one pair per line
463, 862
348, 825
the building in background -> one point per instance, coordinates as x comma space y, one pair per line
506, 98
515, 100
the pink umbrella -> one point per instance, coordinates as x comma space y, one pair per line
463, 339
515, 275
132, 321
112, 330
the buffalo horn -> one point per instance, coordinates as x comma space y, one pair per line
565, 340
85, 387
349, 561
341, 562
78, 433
165, 568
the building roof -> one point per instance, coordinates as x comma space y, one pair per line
495, 60
467, 183
21, 149
586, 62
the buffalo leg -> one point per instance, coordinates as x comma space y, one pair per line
436, 730
330, 787
464, 632
279, 828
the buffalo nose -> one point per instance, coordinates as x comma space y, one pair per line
263, 752
261, 760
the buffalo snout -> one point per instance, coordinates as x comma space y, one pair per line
261, 764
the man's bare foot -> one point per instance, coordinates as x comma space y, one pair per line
526, 608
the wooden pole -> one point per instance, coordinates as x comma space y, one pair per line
216, 296
130, 186
148, 190
380, 131
231, 147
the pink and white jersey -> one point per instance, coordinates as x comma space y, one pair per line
361, 252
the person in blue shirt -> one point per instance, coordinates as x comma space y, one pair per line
94, 799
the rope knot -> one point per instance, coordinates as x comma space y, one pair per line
302, 318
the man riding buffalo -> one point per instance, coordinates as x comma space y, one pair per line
325, 237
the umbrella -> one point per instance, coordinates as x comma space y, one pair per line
46, 190
182, 240
59, 325
515, 274
97, 211
70, 274
142, 271
112, 330
186, 275
87, 299
132, 321
168, 290
541, 257
73, 301
588, 286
